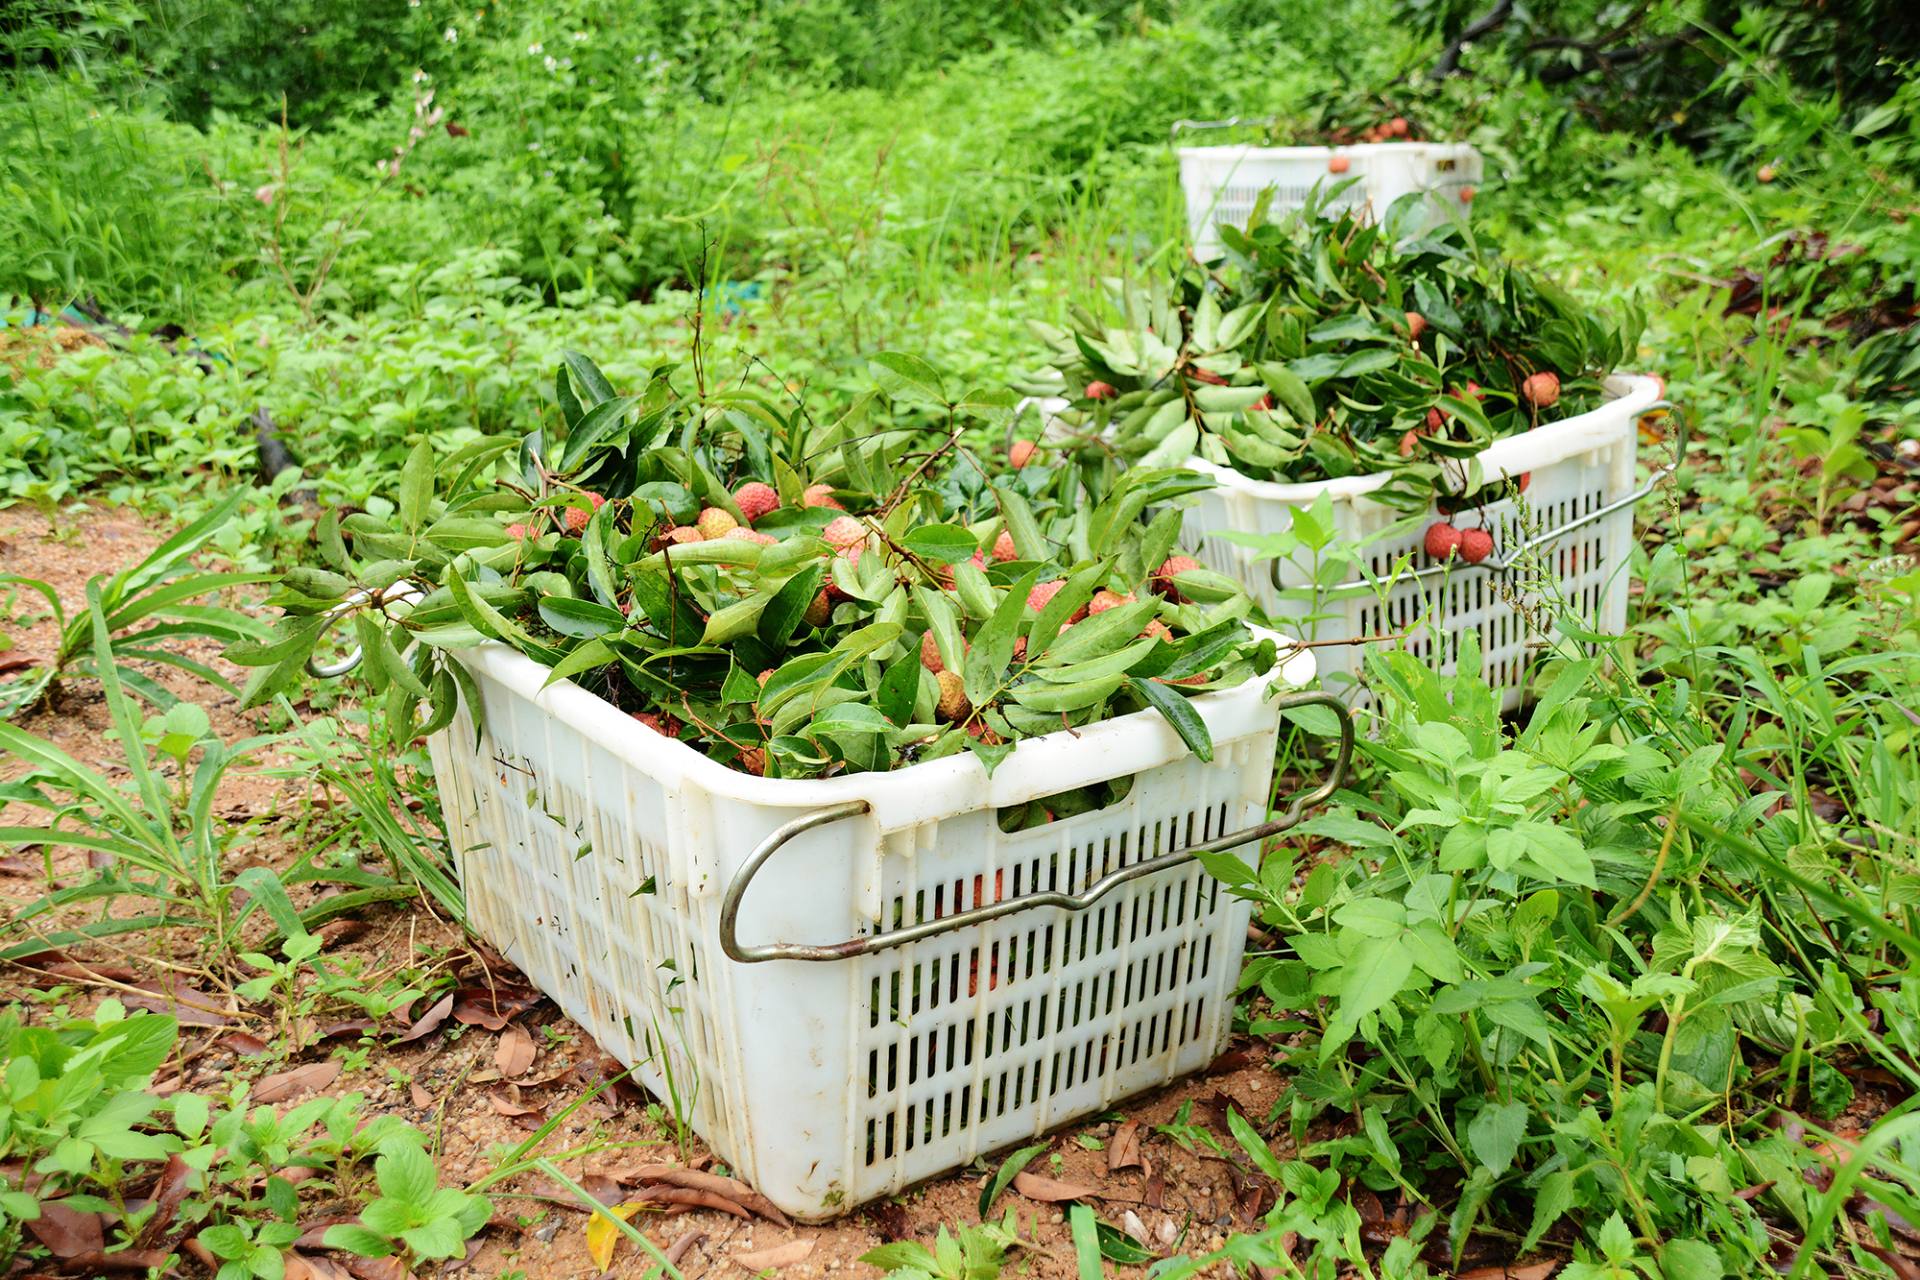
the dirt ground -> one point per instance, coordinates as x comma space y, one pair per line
487, 1076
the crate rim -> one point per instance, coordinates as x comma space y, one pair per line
1223, 150
1633, 394
1040, 766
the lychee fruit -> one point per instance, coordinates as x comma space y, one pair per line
1338, 164
1207, 376
1105, 600
519, 532
715, 523
1466, 195
819, 611
1265, 403
984, 735
930, 654
682, 533
821, 495
745, 534
1526, 478
755, 499
953, 706
1416, 325
1398, 126
1541, 390
1409, 443
1020, 453
1474, 389
1436, 420
657, 722
1100, 391
1766, 173
764, 676
844, 532
1003, 548
577, 517
1158, 630
1043, 592
1475, 545
1442, 541
753, 760
1163, 576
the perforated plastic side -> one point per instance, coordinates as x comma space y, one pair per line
1222, 184
829, 1084
1574, 467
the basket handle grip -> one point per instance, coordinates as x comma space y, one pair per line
1180, 126
736, 891
1507, 562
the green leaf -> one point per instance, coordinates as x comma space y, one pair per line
940, 543
986, 663
1028, 542
1255, 1146
416, 486
582, 619
1179, 713
405, 1172
899, 688
591, 385
1690, 1260
907, 377
1496, 1133
1008, 1171
1086, 1241
784, 612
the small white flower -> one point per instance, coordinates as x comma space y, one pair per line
416, 133
533, 146
567, 63
536, 47
579, 37
453, 35
380, 167
419, 76
264, 194
550, 62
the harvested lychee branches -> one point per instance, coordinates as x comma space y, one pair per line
792, 600
1326, 347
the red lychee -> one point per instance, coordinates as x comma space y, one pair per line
1475, 545
1442, 541
1541, 390
755, 499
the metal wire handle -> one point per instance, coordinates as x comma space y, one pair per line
851, 947
1506, 563
402, 593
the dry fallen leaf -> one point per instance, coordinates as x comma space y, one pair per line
1532, 1271
312, 1077
301, 1266
421, 1098
1050, 1190
775, 1256
429, 1022
603, 1236
68, 1233
1124, 1151
515, 1053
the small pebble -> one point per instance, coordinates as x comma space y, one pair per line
546, 1232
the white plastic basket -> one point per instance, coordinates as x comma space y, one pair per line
1221, 184
1573, 525
958, 988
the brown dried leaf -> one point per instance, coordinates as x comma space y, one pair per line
142, 1260
679, 1248
506, 1107
1532, 1271
429, 1022
301, 1266
311, 1078
775, 1256
1050, 1190
515, 1052
175, 1181
378, 1269
692, 1198
68, 1233
191, 1007
731, 1189
1123, 1152
351, 1027
492, 1005
244, 1043
421, 1098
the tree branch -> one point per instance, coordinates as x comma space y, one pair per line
1449, 59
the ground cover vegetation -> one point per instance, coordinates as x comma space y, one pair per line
712, 315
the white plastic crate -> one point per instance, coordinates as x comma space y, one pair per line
909, 986
1576, 516
1221, 184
